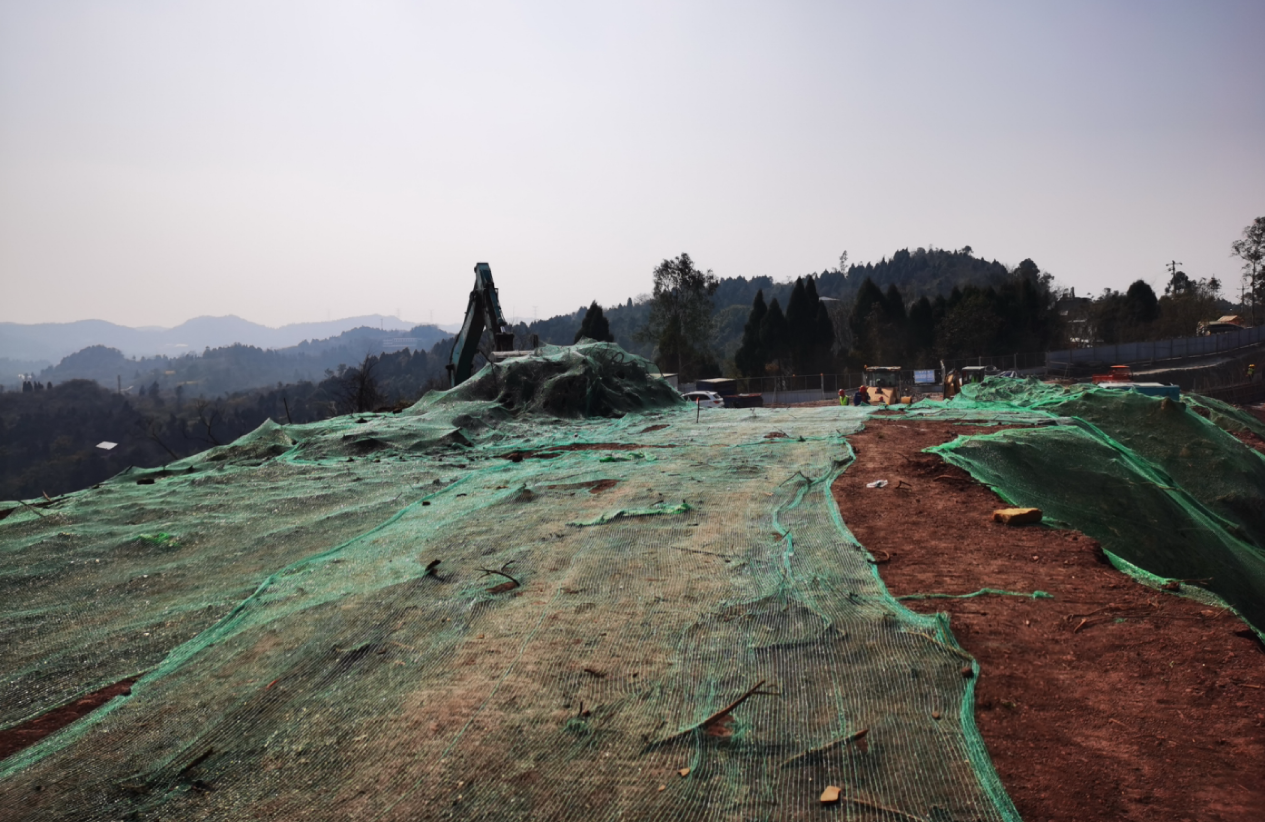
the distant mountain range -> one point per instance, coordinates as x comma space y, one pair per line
47, 343
27, 349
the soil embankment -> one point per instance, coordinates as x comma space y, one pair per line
1109, 701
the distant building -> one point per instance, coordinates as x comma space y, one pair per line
1075, 313
1222, 325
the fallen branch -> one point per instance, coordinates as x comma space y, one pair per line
504, 586
883, 809
708, 553
33, 508
830, 746
718, 717
948, 648
724, 712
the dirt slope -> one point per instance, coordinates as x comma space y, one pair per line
1109, 701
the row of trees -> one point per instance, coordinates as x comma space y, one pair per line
799, 341
1139, 314
965, 307
1020, 314
936, 305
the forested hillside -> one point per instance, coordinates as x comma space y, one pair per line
49, 436
908, 310
920, 273
215, 372
218, 371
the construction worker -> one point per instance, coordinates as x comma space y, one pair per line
1251, 371
843, 396
862, 396
951, 386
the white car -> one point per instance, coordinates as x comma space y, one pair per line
705, 399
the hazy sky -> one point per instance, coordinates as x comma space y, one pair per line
292, 161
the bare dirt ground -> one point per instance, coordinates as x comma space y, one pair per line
1249, 438
1110, 701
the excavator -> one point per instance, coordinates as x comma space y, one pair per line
483, 311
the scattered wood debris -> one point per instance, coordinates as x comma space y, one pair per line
509, 585
813, 754
1017, 516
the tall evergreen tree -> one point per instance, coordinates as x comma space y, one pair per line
773, 335
595, 326
869, 297
810, 329
799, 317
869, 315
894, 305
922, 326
797, 305
822, 339
752, 356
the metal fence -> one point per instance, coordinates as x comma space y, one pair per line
798, 388
805, 387
829, 384
1155, 350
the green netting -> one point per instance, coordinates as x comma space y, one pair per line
302, 656
1160, 486
1227, 416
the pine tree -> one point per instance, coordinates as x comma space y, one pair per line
823, 337
774, 337
752, 356
894, 305
922, 326
869, 309
819, 332
595, 326
799, 315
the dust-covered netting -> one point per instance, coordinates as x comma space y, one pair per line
1160, 483
496, 605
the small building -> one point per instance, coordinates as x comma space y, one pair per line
721, 385
1222, 325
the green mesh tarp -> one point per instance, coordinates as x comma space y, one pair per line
614, 569
1158, 484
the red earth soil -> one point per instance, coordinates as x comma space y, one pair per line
32, 731
1110, 701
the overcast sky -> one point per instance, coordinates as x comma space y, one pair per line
296, 161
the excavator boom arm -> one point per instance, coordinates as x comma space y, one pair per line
483, 311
